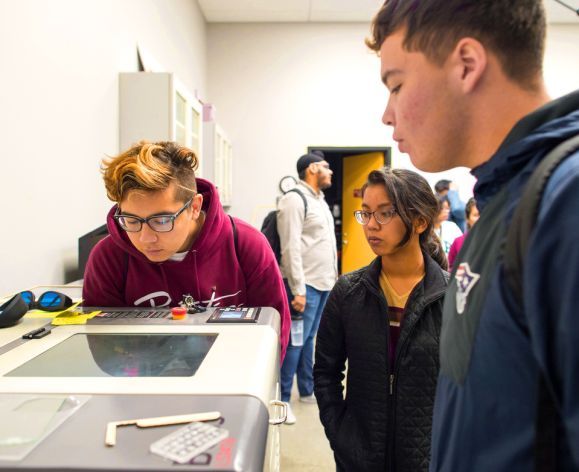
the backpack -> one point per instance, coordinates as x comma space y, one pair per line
524, 218
269, 226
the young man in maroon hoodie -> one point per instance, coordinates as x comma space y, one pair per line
169, 237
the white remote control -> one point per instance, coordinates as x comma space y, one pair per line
188, 441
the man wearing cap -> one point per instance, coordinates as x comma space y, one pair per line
309, 267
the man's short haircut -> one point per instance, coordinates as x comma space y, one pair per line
442, 185
513, 30
151, 167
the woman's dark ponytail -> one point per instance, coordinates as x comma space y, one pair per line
431, 245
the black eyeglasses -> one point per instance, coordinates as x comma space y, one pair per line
158, 223
382, 217
48, 301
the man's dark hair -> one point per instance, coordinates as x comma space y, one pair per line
514, 30
441, 185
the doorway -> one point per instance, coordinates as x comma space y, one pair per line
351, 166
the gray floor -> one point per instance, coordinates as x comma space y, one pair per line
304, 446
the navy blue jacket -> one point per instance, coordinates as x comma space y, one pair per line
493, 352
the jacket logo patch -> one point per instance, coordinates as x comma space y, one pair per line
465, 281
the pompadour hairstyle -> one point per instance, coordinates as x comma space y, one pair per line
151, 167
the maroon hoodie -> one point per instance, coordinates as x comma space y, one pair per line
213, 272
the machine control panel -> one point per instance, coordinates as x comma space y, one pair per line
234, 315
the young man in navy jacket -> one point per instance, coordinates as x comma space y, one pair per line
466, 89
169, 237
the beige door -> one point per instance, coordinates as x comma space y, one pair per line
356, 252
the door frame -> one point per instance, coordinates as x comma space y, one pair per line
334, 156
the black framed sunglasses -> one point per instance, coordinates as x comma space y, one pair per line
48, 301
158, 223
382, 217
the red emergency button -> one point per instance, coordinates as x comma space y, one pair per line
179, 313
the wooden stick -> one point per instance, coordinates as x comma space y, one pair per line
178, 419
111, 431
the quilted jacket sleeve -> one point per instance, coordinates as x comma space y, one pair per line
330, 362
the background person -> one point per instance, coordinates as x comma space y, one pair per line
169, 237
447, 188
384, 322
472, 215
447, 231
309, 266
466, 89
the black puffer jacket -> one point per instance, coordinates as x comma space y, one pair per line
384, 422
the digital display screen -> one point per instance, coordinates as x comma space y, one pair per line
120, 355
232, 315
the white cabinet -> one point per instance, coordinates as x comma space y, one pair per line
218, 155
155, 106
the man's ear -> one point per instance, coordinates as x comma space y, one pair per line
468, 61
196, 205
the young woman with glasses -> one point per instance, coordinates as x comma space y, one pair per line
383, 321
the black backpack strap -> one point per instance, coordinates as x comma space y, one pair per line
516, 247
525, 215
234, 228
301, 194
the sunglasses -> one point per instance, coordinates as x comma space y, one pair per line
48, 301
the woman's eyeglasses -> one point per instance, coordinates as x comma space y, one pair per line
48, 301
382, 217
158, 223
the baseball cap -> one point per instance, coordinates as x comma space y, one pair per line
306, 160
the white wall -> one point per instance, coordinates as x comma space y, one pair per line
59, 63
562, 59
281, 87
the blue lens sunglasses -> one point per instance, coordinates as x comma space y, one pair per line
48, 301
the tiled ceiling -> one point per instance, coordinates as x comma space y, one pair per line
303, 11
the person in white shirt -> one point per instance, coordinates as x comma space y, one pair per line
309, 267
446, 230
